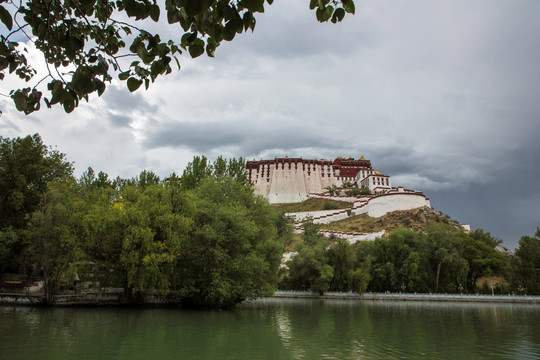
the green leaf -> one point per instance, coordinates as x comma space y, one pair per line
69, 104
6, 18
324, 14
20, 100
211, 47
196, 7
196, 48
76, 43
124, 75
154, 13
133, 84
313, 4
339, 14
82, 82
348, 5
249, 21
255, 5
99, 85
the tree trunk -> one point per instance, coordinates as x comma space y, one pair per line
437, 278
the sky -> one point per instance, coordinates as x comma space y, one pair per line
443, 96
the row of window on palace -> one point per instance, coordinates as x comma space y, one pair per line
309, 174
328, 170
380, 181
309, 166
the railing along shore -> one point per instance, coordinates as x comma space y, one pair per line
411, 297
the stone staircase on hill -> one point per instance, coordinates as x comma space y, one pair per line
361, 205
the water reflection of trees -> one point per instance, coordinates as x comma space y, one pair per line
394, 330
275, 328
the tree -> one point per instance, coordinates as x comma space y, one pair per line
341, 259
479, 251
195, 172
82, 40
89, 180
152, 240
27, 166
309, 269
9, 239
526, 263
233, 251
444, 249
53, 246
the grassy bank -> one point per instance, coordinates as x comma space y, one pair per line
313, 204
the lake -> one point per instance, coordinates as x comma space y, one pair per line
276, 329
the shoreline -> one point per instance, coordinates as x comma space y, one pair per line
522, 299
112, 299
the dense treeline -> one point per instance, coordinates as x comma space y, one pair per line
203, 235
438, 259
206, 239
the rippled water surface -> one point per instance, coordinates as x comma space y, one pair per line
276, 329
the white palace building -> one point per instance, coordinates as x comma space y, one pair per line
288, 180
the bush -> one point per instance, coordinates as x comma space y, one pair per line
357, 192
330, 206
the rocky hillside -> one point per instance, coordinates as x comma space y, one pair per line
414, 219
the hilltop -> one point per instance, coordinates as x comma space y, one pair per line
414, 219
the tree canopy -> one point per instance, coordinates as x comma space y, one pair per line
85, 42
526, 263
204, 236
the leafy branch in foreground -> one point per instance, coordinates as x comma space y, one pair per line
83, 42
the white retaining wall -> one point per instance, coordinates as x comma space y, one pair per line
376, 206
353, 238
383, 204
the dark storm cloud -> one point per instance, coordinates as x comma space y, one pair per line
119, 120
120, 99
247, 138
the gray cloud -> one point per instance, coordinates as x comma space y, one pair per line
442, 96
247, 137
120, 99
119, 120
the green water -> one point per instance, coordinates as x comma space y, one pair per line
276, 329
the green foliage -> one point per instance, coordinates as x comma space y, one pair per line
330, 206
445, 248
309, 269
54, 247
320, 267
204, 235
91, 37
357, 191
484, 260
526, 264
441, 258
233, 251
332, 190
26, 167
359, 278
341, 258
195, 172
312, 204
153, 237
9, 243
